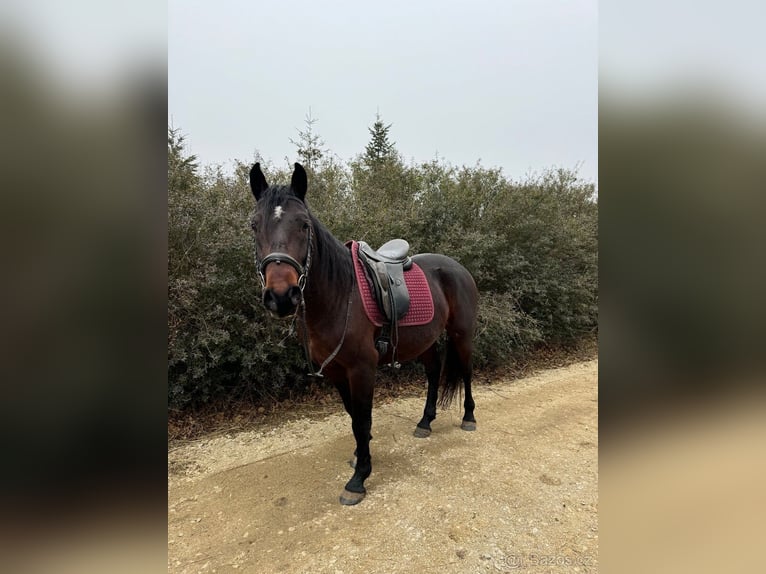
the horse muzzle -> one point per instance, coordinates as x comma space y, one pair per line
282, 304
283, 279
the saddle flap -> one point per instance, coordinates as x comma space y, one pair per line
398, 289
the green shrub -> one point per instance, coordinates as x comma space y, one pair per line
531, 247
504, 332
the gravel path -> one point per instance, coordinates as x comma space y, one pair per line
518, 495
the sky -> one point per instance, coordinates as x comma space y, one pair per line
509, 84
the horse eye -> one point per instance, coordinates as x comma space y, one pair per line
305, 225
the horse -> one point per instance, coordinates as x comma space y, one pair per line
305, 271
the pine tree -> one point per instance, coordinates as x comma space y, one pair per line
182, 169
310, 146
379, 150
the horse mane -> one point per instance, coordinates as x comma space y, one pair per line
337, 268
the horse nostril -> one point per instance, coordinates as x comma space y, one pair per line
294, 293
269, 300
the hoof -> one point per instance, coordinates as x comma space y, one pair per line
421, 432
350, 498
468, 425
352, 462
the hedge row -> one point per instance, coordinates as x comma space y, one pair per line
530, 245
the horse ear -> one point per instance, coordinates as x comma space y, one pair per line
258, 181
299, 182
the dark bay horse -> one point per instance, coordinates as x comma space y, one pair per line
304, 269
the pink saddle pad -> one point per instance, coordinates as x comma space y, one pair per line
421, 309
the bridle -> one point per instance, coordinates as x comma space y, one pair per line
279, 257
303, 277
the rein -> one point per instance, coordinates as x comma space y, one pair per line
303, 274
318, 374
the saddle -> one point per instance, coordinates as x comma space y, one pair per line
386, 268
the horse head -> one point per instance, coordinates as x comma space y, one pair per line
283, 239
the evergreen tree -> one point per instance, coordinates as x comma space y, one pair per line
310, 146
379, 149
182, 169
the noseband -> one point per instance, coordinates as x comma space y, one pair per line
278, 258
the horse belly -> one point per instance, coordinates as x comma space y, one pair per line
416, 340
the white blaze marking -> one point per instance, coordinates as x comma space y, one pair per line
278, 212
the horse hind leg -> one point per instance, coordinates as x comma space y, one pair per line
432, 364
458, 366
464, 350
469, 420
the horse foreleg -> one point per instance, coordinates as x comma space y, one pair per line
361, 384
345, 395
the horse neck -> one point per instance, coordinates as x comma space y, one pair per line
330, 281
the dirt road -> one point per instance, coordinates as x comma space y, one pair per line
520, 494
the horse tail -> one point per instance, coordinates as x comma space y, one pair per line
451, 373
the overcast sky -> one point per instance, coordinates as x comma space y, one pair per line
510, 83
